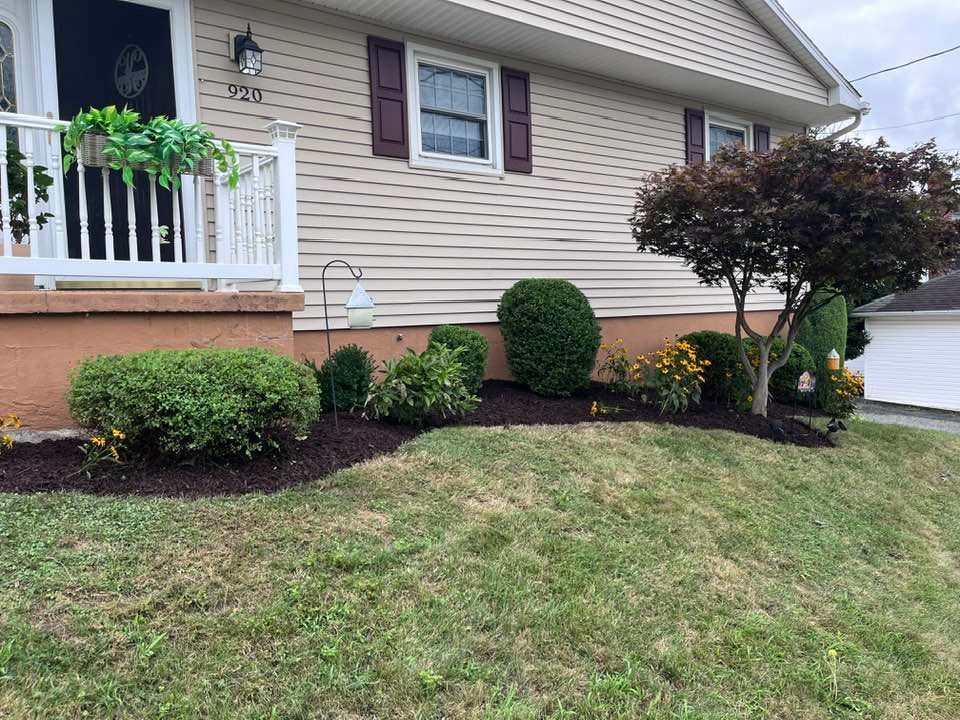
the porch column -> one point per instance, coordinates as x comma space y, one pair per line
284, 137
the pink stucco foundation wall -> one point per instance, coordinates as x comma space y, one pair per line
44, 335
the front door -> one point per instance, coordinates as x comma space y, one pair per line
112, 52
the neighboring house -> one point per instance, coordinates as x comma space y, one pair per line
914, 351
447, 147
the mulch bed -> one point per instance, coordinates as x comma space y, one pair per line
52, 464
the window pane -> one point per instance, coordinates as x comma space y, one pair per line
447, 89
450, 135
720, 136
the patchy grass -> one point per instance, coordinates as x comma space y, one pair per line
601, 571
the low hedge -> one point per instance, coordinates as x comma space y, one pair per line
474, 355
726, 381
550, 335
190, 404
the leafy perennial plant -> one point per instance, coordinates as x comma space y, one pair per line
8, 422
843, 390
675, 373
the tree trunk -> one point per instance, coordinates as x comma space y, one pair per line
761, 388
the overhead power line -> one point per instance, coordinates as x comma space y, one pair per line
916, 122
903, 65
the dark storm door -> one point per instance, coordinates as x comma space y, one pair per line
111, 52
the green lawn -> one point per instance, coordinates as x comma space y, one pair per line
601, 571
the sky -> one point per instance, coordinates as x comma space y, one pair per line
862, 36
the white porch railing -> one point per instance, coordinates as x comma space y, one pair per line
253, 236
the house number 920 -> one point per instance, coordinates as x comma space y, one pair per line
242, 92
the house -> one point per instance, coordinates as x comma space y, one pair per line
447, 148
914, 348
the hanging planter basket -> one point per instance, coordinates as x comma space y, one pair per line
204, 168
91, 149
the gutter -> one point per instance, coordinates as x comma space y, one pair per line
857, 120
944, 314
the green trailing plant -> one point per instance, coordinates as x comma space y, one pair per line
164, 147
196, 404
418, 387
17, 186
107, 121
550, 334
474, 355
351, 369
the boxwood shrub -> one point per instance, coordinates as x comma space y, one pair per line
352, 369
550, 334
727, 382
474, 355
191, 404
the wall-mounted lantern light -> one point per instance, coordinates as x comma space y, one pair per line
247, 53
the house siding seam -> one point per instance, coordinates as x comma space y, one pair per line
441, 247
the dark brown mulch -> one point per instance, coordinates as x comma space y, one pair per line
52, 464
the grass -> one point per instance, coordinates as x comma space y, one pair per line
601, 571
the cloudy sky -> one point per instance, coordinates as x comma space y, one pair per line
861, 36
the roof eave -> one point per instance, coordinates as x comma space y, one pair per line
906, 313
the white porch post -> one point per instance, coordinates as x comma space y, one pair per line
284, 137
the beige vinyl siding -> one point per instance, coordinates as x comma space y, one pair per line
441, 246
717, 37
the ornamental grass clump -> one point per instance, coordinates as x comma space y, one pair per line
196, 404
675, 373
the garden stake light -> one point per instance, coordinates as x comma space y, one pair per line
359, 316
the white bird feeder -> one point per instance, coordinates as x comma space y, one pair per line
359, 309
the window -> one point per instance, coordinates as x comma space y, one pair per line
455, 118
727, 130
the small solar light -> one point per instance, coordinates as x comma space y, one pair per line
359, 309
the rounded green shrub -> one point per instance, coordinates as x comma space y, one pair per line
820, 332
351, 368
783, 384
193, 404
474, 355
550, 334
722, 375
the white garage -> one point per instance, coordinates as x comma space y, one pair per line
913, 357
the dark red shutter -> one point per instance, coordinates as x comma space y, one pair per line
761, 138
517, 135
696, 136
388, 97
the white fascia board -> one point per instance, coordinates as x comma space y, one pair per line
927, 314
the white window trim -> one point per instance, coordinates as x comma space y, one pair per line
731, 122
436, 161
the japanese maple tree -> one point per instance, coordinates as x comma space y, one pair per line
810, 219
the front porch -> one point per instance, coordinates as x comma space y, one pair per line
219, 237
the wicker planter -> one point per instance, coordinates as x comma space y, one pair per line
204, 168
91, 149
17, 282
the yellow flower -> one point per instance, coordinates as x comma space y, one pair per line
6, 441
114, 453
99, 441
119, 434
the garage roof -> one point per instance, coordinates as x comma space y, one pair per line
941, 294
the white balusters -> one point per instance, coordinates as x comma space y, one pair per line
177, 237
57, 199
132, 226
5, 199
252, 235
154, 221
82, 203
107, 214
200, 208
28, 164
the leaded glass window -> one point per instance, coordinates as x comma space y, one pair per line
8, 77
